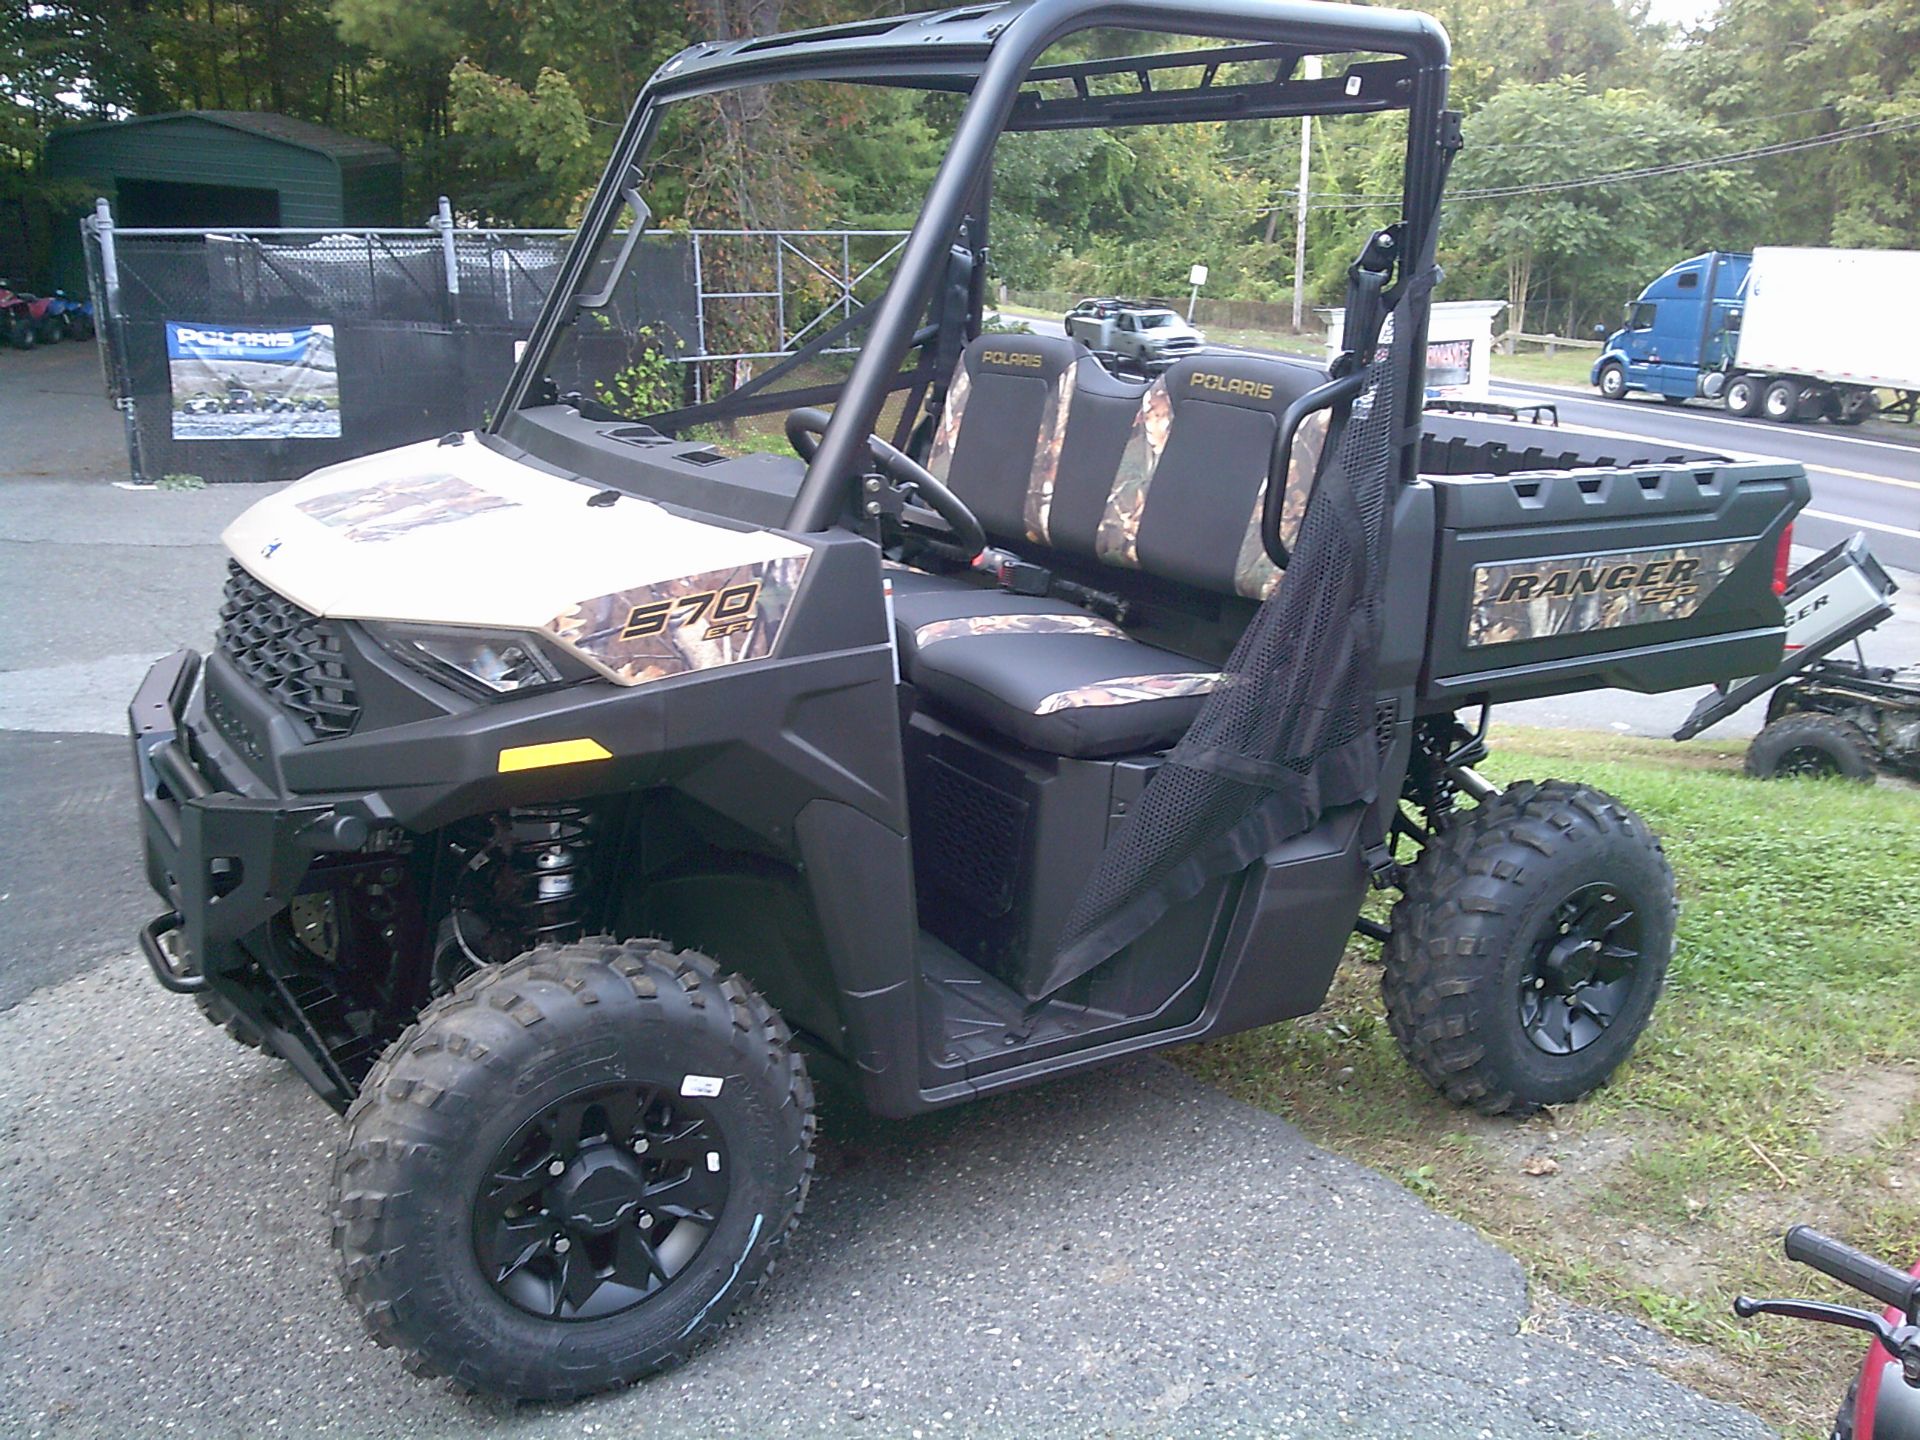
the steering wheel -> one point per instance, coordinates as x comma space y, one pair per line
912, 480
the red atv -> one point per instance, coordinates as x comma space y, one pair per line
26, 320
1884, 1403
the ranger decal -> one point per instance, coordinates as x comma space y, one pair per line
1565, 594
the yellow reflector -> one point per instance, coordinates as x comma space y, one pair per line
554, 752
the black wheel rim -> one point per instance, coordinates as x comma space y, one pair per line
1583, 971
1809, 761
595, 1205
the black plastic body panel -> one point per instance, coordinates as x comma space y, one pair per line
1465, 445
758, 489
800, 750
1608, 539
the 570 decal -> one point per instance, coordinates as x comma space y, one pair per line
727, 612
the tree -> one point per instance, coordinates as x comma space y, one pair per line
1579, 250
1785, 70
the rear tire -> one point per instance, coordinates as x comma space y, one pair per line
1781, 402
572, 1170
1495, 991
1811, 746
1744, 396
1612, 381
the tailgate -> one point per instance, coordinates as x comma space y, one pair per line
1650, 578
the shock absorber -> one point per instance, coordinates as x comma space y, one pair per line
523, 878
549, 849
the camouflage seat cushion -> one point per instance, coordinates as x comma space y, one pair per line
930, 609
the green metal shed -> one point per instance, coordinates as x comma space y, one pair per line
239, 169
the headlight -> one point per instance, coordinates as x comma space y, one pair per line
496, 662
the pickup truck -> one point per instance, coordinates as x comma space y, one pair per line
1150, 337
559, 797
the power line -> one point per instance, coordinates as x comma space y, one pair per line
1555, 144
1870, 130
1680, 167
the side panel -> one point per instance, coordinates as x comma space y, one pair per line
1646, 580
1291, 928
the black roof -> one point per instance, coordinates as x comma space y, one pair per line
945, 50
349, 150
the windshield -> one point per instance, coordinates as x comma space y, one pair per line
732, 284
1156, 320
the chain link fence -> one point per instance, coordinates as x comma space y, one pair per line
264, 355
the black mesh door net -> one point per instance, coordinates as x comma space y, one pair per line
1289, 733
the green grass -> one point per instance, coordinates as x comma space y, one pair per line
1563, 367
1795, 981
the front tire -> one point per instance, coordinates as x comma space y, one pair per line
1811, 746
222, 1016
1613, 381
572, 1170
1530, 946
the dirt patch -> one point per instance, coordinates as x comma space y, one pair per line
1557, 1168
1868, 1104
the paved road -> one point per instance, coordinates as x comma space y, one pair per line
1130, 1254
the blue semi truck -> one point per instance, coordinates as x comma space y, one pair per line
1791, 334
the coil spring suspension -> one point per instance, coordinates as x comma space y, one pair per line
524, 878
547, 856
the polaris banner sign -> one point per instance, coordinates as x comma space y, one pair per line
274, 382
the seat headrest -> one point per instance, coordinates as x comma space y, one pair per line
1040, 357
1252, 382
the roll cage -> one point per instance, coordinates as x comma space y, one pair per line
989, 53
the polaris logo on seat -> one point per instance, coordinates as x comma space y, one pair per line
1021, 359
1230, 385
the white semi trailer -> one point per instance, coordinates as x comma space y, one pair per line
1822, 330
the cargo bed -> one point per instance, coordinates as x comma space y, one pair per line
1567, 561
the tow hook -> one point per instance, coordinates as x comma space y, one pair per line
156, 953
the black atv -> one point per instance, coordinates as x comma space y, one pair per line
1828, 717
551, 791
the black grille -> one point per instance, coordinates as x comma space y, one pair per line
293, 656
968, 837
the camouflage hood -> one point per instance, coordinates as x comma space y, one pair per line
462, 535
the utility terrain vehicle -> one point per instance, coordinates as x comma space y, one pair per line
552, 789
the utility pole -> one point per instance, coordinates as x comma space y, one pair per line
1312, 72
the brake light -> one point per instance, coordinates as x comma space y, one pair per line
1782, 560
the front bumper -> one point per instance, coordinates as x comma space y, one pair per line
227, 862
